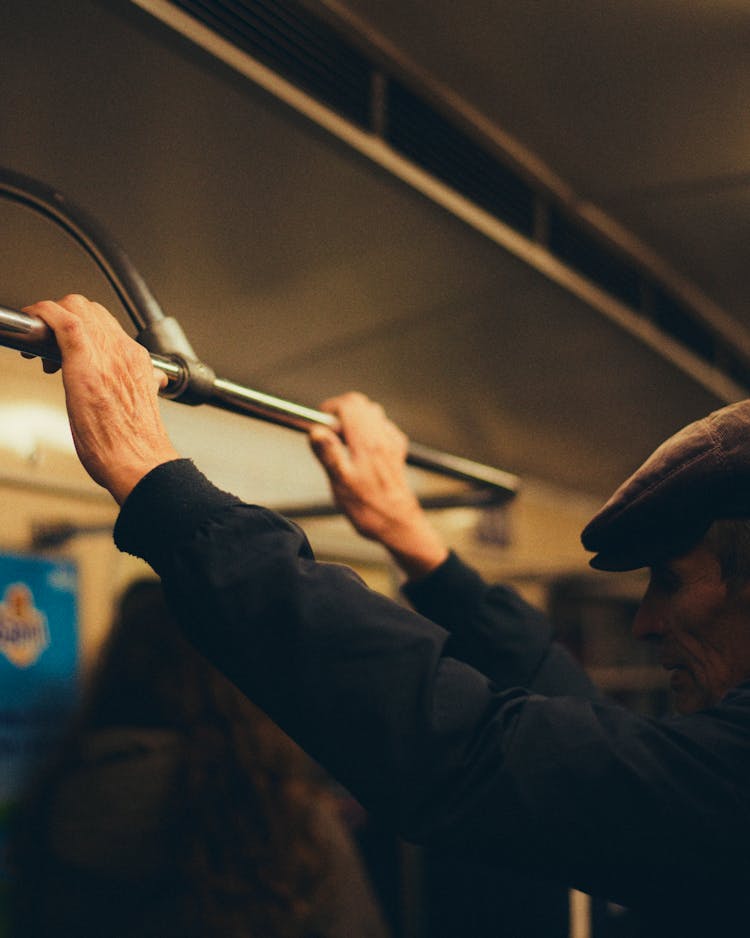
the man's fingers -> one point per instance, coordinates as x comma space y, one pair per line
329, 449
323, 442
161, 379
87, 309
366, 428
333, 405
75, 303
47, 366
65, 324
362, 420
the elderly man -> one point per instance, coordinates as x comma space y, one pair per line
654, 814
697, 606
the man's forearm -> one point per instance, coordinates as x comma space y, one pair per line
111, 392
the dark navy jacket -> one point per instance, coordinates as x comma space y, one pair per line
652, 814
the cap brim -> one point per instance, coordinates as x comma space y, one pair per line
618, 564
649, 550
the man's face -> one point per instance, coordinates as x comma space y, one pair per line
701, 626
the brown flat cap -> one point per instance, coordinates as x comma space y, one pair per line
699, 475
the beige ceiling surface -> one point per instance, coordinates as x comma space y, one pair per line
296, 266
642, 106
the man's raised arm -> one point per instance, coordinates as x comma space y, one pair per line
111, 391
579, 790
366, 470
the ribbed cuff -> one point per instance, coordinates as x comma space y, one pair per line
167, 506
444, 591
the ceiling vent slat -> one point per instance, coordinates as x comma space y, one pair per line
735, 366
310, 53
576, 246
302, 49
678, 321
434, 143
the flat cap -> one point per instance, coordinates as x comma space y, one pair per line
696, 477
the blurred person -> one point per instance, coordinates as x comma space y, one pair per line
178, 809
649, 813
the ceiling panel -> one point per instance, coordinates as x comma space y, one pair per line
298, 267
630, 103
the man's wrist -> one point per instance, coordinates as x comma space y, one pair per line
123, 479
417, 551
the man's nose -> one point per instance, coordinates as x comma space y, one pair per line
649, 620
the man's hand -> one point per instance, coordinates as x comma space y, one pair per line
111, 391
368, 479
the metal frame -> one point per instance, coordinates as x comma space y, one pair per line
51, 535
190, 381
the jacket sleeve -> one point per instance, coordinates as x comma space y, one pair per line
576, 789
493, 629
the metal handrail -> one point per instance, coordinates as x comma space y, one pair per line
139, 302
188, 379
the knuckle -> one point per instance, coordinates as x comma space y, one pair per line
137, 355
72, 300
43, 304
72, 328
102, 311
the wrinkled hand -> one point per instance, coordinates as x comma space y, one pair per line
366, 469
111, 391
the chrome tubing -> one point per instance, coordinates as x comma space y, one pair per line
157, 332
51, 535
132, 290
469, 498
32, 336
189, 380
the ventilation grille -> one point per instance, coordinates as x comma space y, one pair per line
576, 247
304, 50
735, 366
678, 321
313, 55
428, 139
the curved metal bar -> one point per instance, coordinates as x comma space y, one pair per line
159, 333
132, 291
30, 335
189, 379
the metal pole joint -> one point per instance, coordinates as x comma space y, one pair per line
166, 337
190, 381
194, 384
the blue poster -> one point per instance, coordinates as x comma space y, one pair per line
38, 669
